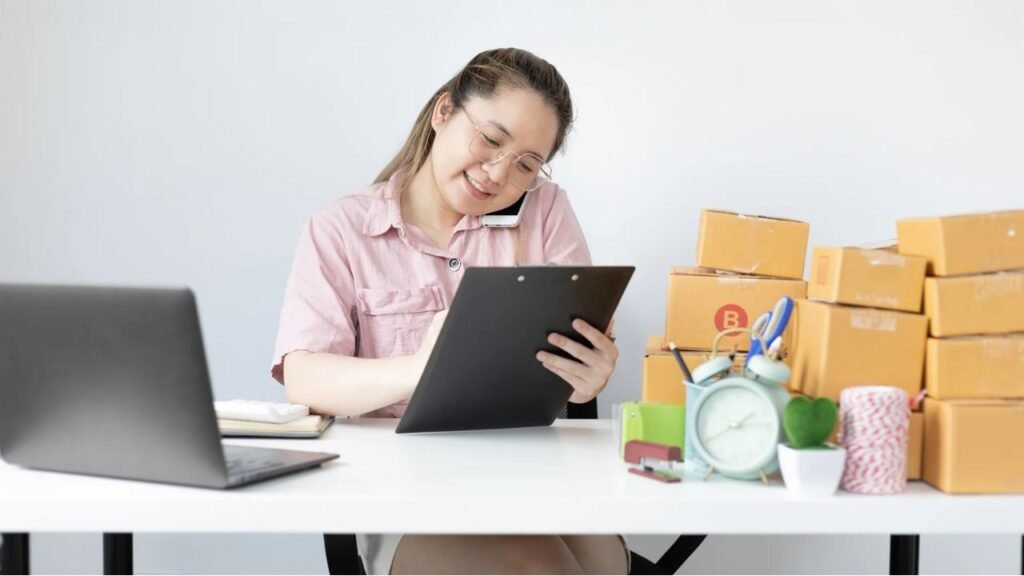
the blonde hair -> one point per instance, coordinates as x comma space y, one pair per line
484, 75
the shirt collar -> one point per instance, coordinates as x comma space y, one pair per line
386, 210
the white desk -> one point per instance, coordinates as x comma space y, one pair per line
563, 479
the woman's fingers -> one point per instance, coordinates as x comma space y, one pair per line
584, 388
589, 369
575, 349
572, 380
571, 367
600, 340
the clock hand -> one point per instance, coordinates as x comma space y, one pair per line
719, 433
738, 423
744, 419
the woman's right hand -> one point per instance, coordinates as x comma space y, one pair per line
419, 359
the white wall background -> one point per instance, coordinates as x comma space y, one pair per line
185, 143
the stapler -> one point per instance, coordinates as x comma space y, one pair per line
655, 460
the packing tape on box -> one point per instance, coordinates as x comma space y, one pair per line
875, 430
997, 286
874, 299
879, 258
876, 320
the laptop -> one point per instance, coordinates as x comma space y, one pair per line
483, 372
113, 382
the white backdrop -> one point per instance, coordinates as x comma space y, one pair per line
185, 143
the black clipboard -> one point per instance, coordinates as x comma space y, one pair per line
483, 372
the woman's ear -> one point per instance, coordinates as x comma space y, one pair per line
442, 110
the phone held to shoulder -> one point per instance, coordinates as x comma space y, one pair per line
507, 218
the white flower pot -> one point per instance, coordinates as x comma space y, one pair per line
812, 472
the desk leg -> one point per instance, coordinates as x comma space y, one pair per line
903, 551
117, 553
14, 554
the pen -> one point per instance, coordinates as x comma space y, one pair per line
679, 360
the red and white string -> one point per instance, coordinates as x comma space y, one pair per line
874, 429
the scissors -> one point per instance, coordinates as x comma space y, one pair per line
770, 326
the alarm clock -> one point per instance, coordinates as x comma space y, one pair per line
736, 421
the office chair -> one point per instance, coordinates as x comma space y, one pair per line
343, 555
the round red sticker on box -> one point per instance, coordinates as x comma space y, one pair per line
730, 316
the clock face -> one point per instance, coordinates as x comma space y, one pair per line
738, 427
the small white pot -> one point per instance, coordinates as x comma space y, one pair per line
812, 472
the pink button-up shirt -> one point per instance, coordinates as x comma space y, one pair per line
364, 283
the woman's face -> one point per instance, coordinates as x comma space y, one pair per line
515, 121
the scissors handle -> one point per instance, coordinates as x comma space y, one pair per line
759, 327
771, 325
780, 319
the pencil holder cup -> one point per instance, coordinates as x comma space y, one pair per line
692, 462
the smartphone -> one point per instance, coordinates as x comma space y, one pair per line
507, 218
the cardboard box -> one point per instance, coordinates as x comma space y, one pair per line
915, 446
662, 378
966, 244
985, 304
873, 278
973, 446
701, 303
841, 346
975, 367
752, 244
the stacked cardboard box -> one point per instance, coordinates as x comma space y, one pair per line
662, 379
862, 326
974, 301
745, 264
915, 446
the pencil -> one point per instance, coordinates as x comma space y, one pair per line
679, 360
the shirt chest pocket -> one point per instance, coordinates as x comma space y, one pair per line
393, 322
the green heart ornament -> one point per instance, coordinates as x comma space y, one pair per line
809, 423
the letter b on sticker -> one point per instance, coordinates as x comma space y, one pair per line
730, 316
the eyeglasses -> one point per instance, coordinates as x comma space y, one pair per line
529, 171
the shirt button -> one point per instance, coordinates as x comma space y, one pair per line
454, 264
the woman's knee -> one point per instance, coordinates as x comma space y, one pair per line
599, 554
538, 555
484, 555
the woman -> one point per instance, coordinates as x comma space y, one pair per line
375, 271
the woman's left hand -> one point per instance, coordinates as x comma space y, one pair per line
589, 373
